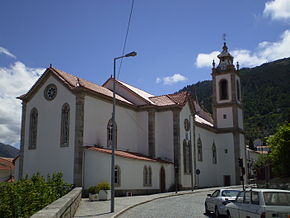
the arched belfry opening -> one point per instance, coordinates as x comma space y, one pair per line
223, 87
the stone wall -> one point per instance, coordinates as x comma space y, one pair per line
275, 183
64, 207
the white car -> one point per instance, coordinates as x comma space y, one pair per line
217, 201
260, 203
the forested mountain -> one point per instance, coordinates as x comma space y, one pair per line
265, 96
8, 151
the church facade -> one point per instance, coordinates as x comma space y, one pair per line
162, 141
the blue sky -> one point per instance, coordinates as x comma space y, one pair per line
175, 41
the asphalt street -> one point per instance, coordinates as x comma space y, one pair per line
189, 205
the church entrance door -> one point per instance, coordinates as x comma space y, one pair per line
227, 180
162, 179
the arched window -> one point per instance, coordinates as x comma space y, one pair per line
186, 157
117, 175
145, 175
214, 155
199, 150
238, 91
223, 86
149, 176
110, 134
64, 134
33, 128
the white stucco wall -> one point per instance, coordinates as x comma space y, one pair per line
164, 135
225, 157
131, 125
142, 132
228, 120
218, 79
213, 174
97, 168
49, 157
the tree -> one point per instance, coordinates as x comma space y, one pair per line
280, 150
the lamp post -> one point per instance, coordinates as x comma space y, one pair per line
131, 54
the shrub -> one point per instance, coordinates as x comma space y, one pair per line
27, 196
93, 190
103, 186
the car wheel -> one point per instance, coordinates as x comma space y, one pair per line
206, 209
216, 212
228, 214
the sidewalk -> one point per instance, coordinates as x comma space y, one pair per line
101, 209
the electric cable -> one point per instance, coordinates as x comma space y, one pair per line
126, 37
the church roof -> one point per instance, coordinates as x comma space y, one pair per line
170, 100
139, 92
74, 82
126, 154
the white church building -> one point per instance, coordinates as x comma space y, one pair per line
162, 141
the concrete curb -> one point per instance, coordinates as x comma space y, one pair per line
168, 196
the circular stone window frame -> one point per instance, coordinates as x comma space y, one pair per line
46, 90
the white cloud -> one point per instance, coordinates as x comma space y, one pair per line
278, 9
158, 80
168, 80
276, 50
265, 51
6, 52
205, 60
247, 59
15, 81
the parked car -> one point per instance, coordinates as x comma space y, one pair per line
216, 201
260, 203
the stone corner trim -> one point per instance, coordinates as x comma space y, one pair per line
65, 206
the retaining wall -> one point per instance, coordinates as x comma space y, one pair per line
64, 207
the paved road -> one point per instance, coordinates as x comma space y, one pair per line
189, 205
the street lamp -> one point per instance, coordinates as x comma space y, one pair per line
131, 54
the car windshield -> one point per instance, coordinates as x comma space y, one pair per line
230, 193
277, 198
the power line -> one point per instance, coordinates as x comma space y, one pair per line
126, 37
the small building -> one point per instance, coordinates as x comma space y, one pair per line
6, 169
161, 141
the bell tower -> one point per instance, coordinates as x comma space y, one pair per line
227, 104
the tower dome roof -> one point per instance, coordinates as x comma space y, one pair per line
226, 59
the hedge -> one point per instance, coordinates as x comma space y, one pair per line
27, 196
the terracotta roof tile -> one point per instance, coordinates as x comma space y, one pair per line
162, 100
125, 154
179, 98
74, 82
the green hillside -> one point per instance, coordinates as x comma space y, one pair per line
8, 151
265, 95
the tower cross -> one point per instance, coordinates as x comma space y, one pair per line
224, 37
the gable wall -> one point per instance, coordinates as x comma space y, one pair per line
131, 126
49, 157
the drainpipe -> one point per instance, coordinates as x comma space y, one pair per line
194, 150
191, 162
